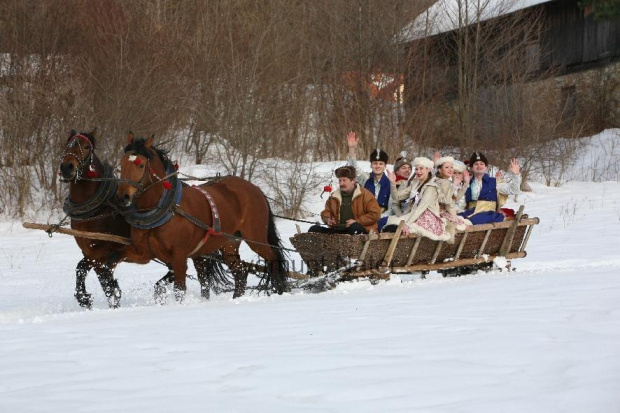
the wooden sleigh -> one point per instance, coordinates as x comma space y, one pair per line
378, 255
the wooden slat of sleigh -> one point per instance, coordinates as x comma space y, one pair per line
527, 238
387, 259
510, 233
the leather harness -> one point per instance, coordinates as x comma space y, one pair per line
216, 229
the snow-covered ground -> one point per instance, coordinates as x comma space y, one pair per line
545, 338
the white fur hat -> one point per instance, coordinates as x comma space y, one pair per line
443, 160
422, 161
458, 166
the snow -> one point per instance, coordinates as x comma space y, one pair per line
444, 16
545, 337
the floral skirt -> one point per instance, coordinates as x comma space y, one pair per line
459, 222
446, 215
431, 223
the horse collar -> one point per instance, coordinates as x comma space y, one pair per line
164, 210
92, 207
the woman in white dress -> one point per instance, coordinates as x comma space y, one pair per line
421, 211
444, 177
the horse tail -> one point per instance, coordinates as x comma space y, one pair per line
221, 278
212, 273
277, 270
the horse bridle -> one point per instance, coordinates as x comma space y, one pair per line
142, 188
84, 160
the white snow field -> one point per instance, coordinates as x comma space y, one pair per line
544, 338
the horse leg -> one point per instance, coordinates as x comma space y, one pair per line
179, 267
204, 276
109, 284
161, 286
231, 256
83, 298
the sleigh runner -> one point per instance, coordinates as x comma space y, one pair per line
376, 255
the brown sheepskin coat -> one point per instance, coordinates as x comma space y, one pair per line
366, 210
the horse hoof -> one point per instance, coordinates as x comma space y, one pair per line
160, 299
179, 295
114, 299
160, 294
84, 299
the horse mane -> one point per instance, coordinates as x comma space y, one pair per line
90, 137
137, 146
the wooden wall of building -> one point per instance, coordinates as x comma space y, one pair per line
573, 41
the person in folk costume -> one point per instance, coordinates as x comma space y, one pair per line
377, 182
460, 183
402, 171
349, 210
421, 211
402, 168
444, 178
459, 180
486, 195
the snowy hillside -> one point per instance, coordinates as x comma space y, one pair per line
545, 338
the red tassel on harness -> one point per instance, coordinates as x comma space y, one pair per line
137, 161
167, 185
91, 173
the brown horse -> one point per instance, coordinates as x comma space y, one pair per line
89, 208
198, 220
90, 205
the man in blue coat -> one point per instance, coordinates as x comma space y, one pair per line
377, 183
485, 194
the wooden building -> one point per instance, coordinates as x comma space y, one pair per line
550, 56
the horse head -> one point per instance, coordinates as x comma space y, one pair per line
77, 159
141, 170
